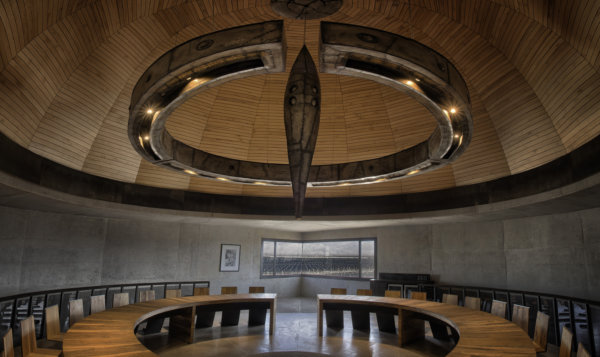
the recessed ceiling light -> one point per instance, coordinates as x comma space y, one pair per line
149, 111
146, 138
410, 83
452, 110
189, 78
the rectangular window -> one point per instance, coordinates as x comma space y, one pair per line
344, 258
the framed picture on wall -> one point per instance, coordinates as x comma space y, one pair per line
230, 257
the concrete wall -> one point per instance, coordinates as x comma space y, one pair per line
42, 251
557, 254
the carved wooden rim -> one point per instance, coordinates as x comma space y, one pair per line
235, 53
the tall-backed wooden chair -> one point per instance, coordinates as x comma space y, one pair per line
172, 293
520, 316
230, 316
473, 303
205, 316
120, 299
418, 295
451, 299
257, 316
498, 308
361, 320
566, 343
385, 320
29, 346
540, 334
75, 311
146, 295
335, 318
154, 324
7, 340
53, 324
581, 351
97, 303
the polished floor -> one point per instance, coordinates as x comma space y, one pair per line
295, 336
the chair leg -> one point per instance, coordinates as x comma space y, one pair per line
334, 318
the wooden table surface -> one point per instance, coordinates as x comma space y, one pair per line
480, 333
111, 332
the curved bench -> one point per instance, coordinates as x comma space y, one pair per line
479, 333
111, 332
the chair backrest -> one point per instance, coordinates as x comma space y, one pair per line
581, 351
473, 303
566, 342
28, 339
364, 292
201, 291
7, 340
98, 303
540, 335
228, 290
520, 316
338, 291
418, 295
75, 311
147, 295
172, 293
256, 290
120, 299
52, 322
393, 293
451, 299
498, 308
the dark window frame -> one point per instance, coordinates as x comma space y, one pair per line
360, 273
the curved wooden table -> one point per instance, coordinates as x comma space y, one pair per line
480, 333
111, 332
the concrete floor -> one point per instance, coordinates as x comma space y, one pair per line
295, 336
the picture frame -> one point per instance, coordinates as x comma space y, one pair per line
230, 257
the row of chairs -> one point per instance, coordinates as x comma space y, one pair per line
520, 316
97, 304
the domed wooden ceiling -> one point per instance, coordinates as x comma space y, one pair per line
67, 70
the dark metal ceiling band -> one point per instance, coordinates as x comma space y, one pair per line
239, 52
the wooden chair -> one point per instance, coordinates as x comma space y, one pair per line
53, 324
418, 295
385, 320
581, 351
499, 308
230, 316
7, 340
566, 342
520, 316
205, 316
335, 318
120, 299
172, 293
473, 303
256, 290
393, 293
540, 335
450, 299
75, 311
146, 295
98, 303
361, 320
256, 316
201, 291
29, 346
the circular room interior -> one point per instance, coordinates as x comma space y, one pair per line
308, 178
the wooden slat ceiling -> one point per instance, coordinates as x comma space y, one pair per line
67, 69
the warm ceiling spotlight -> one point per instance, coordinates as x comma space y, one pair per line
190, 172
188, 79
453, 110
417, 79
412, 172
146, 138
149, 111
410, 83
